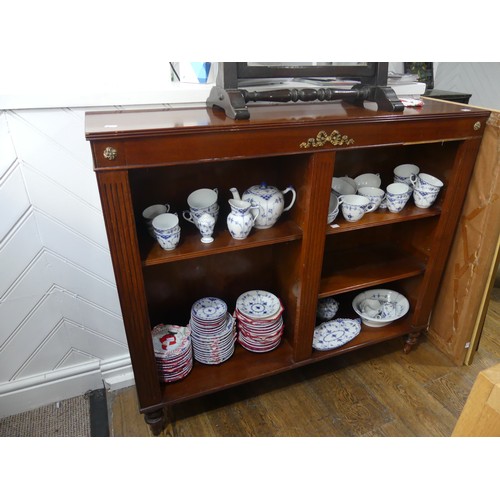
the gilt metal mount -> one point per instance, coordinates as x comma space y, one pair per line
335, 139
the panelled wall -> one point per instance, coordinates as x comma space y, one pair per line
61, 331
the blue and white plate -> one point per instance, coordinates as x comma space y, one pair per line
335, 333
209, 309
258, 304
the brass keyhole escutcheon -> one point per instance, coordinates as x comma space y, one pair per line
477, 126
110, 153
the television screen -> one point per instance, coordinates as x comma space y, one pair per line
237, 73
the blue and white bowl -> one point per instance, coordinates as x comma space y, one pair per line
380, 307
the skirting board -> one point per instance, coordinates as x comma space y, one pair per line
33, 392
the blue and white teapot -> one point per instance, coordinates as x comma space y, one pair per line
271, 201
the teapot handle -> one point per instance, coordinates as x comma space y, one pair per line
294, 196
255, 210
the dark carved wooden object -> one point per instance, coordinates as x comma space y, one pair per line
234, 101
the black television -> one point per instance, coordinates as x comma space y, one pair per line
234, 80
232, 74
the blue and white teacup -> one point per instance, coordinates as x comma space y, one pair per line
424, 199
149, 213
167, 230
374, 194
398, 194
403, 173
354, 206
426, 182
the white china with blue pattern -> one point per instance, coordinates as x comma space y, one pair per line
241, 219
354, 206
424, 199
380, 307
327, 308
271, 201
397, 195
335, 333
343, 185
333, 207
206, 225
258, 304
167, 230
404, 172
374, 194
209, 309
368, 180
149, 213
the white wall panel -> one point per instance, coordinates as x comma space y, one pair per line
53, 159
14, 200
17, 250
64, 207
60, 316
75, 247
7, 152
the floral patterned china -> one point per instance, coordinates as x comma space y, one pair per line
335, 333
259, 321
380, 307
173, 352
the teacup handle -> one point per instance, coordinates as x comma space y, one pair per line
340, 200
167, 206
413, 179
294, 196
370, 207
188, 216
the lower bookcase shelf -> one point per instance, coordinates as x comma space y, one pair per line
245, 366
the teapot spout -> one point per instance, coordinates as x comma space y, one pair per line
236, 195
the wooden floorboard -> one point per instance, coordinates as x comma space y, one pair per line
378, 391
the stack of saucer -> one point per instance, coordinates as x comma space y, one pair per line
173, 353
212, 331
260, 322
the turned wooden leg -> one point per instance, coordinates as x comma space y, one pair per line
156, 421
411, 341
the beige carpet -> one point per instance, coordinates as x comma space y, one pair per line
69, 418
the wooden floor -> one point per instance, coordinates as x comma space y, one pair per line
378, 391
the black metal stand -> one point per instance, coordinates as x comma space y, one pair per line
234, 101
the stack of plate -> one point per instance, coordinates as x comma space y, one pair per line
260, 322
212, 331
173, 352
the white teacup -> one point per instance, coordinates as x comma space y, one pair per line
368, 180
202, 198
403, 173
424, 198
354, 206
398, 194
426, 182
193, 215
341, 185
167, 230
149, 213
375, 195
